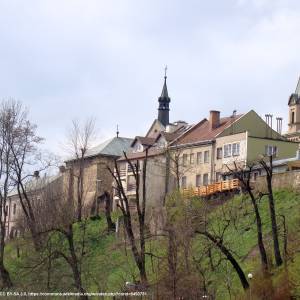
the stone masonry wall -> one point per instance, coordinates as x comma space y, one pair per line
286, 180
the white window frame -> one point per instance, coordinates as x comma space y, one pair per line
192, 158
204, 160
199, 158
235, 149
271, 150
205, 175
221, 150
227, 150
183, 180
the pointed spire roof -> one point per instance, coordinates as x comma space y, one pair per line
295, 97
164, 92
297, 91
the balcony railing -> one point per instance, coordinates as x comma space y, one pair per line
213, 188
131, 187
122, 172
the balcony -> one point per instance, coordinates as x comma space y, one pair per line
218, 187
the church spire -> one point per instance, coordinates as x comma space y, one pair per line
164, 100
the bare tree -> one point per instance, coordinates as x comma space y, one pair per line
23, 145
6, 184
244, 176
79, 141
111, 226
58, 231
203, 226
140, 203
268, 167
177, 167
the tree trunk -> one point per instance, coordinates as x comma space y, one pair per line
5, 277
36, 238
74, 264
136, 255
111, 226
229, 257
277, 254
262, 250
79, 199
172, 261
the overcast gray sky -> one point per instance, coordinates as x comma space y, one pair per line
75, 59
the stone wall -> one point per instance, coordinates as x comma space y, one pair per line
286, 180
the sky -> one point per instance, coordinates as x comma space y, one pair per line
76, 59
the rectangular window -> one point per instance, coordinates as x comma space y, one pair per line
183, 182
198, 180
199, 158
15, 209
206, 157
255, 174
271, 150
218, 176
184, 159
235, 149
227, 150
129, 169
205, 179
219, 153
192, 158
131, 183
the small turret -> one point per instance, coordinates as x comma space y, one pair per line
164, 101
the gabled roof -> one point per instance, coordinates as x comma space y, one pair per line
112, 147
155, 122
203, 131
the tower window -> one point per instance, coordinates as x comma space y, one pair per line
293, 117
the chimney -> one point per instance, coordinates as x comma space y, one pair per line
62, 169
214, 118
36, 174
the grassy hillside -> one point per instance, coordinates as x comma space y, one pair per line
108, 264
241, 237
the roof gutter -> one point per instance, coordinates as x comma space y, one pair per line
206, 142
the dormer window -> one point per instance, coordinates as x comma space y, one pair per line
138, 147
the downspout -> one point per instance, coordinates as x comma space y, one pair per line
212, 162
246, 158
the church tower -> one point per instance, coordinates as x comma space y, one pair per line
294, 111
164, 101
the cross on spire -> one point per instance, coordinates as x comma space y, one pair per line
166, 69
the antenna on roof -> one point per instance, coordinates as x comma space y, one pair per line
118, 131
166, 69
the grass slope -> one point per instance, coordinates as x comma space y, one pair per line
106, 266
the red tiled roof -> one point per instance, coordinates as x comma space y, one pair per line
202, 131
